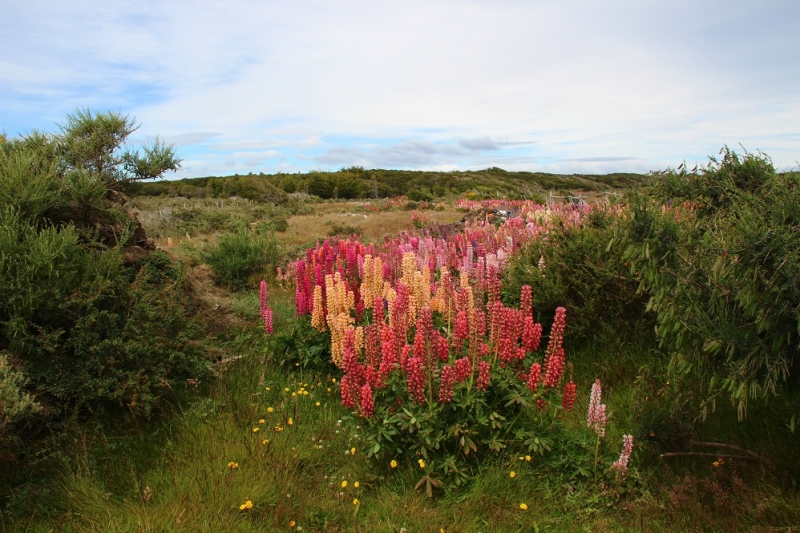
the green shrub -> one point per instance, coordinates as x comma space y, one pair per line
240, 259
718, 250
88, 331
581, 272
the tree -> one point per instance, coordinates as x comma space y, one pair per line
94, 143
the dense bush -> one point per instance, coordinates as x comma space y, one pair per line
576, 267
240, 259
718, 250
87, 325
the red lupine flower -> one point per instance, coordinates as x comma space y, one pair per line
463, 369
461, 329
541, 404
555, 368
415, 379
367, 401
531, 334
534, 377
446, 384
483, 375
526, 301
442, 346
405, 356
349, 398
568, 400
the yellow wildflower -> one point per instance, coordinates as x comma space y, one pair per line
523, 506
393, 464
421, 463
512, 474
261, 421
264, 441
317, 404
290, 421
344, 483
356, 484
270, 409
528, 458
294, 394
233, 465
286, 389
355, 501
246, 505
266, 388
292, 523
352, 450
255, 429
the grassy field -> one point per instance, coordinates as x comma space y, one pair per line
271, 448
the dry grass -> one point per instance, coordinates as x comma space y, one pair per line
374, 226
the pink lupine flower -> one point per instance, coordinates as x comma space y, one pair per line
596, 417
621, 464
268, 325
263, 297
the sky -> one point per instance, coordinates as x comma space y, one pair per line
291, 86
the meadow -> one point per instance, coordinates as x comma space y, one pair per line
379, 365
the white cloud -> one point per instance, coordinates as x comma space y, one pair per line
534, 84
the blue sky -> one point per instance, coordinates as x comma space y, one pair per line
555, 86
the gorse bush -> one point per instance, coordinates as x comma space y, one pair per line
88, 326
240, 259
718, 251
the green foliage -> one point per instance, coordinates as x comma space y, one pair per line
92, 143
15, 403
88, 330
240, 259
355, 182
576, 268
298, 345
453, 438
718, 250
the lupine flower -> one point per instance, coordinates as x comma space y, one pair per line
526, 300
596, 417
531, 334
555, 368
349, 399
621, 464
483, 375
415, 379
463, 369
446, 384
263, 296
534, 377
268, 325
568, 400
367, 401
